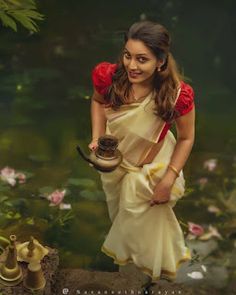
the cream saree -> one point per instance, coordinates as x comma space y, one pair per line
149, 237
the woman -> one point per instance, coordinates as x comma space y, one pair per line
137, 100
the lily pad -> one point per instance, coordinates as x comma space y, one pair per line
93, 195
84, 182
39, 158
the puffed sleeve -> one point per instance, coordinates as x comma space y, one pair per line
185, 101
102, 76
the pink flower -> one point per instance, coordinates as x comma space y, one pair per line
203, 180
21, 177
8, 175
195, 229
56, 197
210, 164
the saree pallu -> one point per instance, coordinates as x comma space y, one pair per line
149, 237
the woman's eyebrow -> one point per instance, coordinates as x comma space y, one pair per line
139, 54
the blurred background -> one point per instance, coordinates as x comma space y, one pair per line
45, 90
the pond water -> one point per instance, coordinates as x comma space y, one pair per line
45, 89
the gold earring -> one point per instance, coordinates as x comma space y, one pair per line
158, 69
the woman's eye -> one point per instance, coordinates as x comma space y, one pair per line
126, 55
142, 59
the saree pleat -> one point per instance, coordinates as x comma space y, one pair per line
149, 237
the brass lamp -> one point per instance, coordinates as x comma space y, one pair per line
34, 279
10, 271
31, 251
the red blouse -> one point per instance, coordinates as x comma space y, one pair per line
102, 79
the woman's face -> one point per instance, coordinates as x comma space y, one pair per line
139, 62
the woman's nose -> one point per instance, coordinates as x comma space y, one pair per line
132, 65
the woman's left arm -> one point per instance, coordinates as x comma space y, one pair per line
185, 126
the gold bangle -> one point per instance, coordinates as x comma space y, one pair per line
174, 170
95, 139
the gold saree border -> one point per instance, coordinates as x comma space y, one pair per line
164, 273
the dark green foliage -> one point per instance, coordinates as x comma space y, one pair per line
23, 12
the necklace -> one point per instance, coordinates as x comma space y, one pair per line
135, 98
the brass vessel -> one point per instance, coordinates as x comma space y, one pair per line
106, 157
10, 271
34, 279
31, 251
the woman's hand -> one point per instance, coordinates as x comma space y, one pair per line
161, 193
93, 144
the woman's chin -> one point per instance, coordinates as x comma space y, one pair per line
134, 80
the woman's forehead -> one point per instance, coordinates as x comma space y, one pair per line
137, 47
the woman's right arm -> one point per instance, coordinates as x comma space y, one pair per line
98, 119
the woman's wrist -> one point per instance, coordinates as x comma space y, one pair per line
170, 176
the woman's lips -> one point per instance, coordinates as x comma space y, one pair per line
134, 74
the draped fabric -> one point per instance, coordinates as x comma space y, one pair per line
149, 237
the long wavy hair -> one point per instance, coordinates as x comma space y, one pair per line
165, 82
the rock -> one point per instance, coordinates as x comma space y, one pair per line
213, 275
163, 287
203, 248
78, 281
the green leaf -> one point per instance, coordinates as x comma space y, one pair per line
9, 204
3, 199
24, 20
8, 21
3, 5
32, 14
17, 215
15, 3
30, 220
4, 187
12, 215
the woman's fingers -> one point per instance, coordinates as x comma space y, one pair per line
156, 202
92, 146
